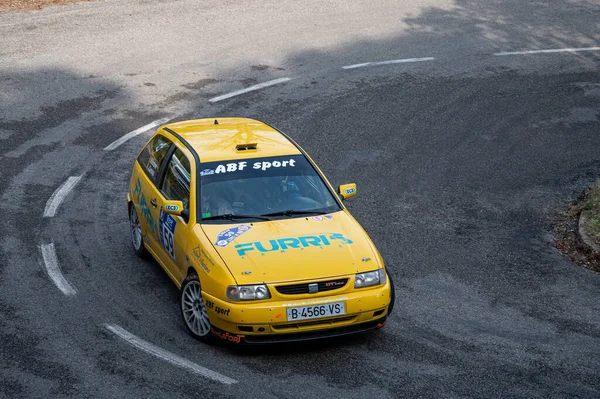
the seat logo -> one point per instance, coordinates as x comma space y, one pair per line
312, 288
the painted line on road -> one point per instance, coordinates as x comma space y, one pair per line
249, 89
401, 61
53, 270
136, 132
168, 356
558, 50
59, 195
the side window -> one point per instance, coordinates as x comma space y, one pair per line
176, 184
153, 155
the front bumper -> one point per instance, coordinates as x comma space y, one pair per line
265, 321
266, 339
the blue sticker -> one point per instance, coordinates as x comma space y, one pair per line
328, 217
167, 233
152, 167
207, 172
226, 236
161, 146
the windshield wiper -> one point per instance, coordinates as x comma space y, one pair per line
292, 212
231, 216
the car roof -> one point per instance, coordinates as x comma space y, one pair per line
219, 139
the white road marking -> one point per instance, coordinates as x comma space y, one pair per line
402, 61
248, 89
59, 195
168, 356
558, 50
136, 132
53, 270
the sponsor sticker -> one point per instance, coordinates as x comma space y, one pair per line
227, 236
317, 218
143, 204
170, 207
226, 336
200, 258
217, 309
328, 217
301, 242
238, 166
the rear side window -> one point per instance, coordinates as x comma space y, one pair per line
154, 154
176, 184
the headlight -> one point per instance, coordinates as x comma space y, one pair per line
376, 277
248, 292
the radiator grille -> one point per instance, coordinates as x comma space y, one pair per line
295, 289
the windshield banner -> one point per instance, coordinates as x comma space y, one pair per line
256, 166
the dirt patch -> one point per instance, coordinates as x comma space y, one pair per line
566, 233
591, 207
29, 5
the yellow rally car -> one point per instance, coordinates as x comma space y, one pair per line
247, 226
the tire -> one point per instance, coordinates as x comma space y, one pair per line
193, 310
392, 295
136, 232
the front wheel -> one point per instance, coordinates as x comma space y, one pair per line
392, 295
193, 309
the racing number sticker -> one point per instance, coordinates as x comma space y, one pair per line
167, 233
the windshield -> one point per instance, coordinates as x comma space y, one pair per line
263, 188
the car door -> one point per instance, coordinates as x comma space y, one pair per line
175, 230
149, 166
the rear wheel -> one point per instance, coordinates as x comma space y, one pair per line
193, 309
136, 232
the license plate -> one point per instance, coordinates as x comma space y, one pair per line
316, 311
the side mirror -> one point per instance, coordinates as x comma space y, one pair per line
173, 207
185, 214
347, 190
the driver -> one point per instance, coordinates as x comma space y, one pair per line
290, 189
278, 192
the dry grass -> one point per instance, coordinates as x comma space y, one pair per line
592, 205
28, 5
566, 232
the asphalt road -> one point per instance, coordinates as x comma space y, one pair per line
462, 164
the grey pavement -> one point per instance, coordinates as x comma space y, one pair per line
462, 165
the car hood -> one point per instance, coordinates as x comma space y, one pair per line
293, 249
